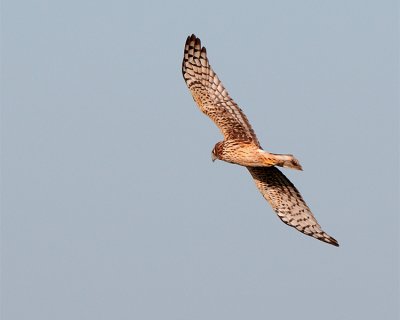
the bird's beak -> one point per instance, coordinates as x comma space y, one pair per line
213, 157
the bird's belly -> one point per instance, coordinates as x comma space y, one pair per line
247, 158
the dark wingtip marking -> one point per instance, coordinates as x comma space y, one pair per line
334, 242
330, 240
190, 39
193, 38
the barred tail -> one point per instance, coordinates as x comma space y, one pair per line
282, 160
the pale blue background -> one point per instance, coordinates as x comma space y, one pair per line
111, 206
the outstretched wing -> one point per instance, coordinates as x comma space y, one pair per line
287, 202
211, 96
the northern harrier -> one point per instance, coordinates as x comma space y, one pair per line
240, 145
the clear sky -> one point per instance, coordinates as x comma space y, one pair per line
111, 206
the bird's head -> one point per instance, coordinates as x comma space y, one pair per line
216, 152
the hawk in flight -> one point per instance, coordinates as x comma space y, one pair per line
241, 146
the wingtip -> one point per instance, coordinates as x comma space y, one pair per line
330, 240
192, 38
324, 237
336, 244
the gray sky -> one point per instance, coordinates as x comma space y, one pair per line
111, 206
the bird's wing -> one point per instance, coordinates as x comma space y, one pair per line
211, 96
287, 202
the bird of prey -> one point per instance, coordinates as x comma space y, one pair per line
241, 146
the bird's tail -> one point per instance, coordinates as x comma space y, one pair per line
283, 160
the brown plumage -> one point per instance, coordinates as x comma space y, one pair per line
241, 146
